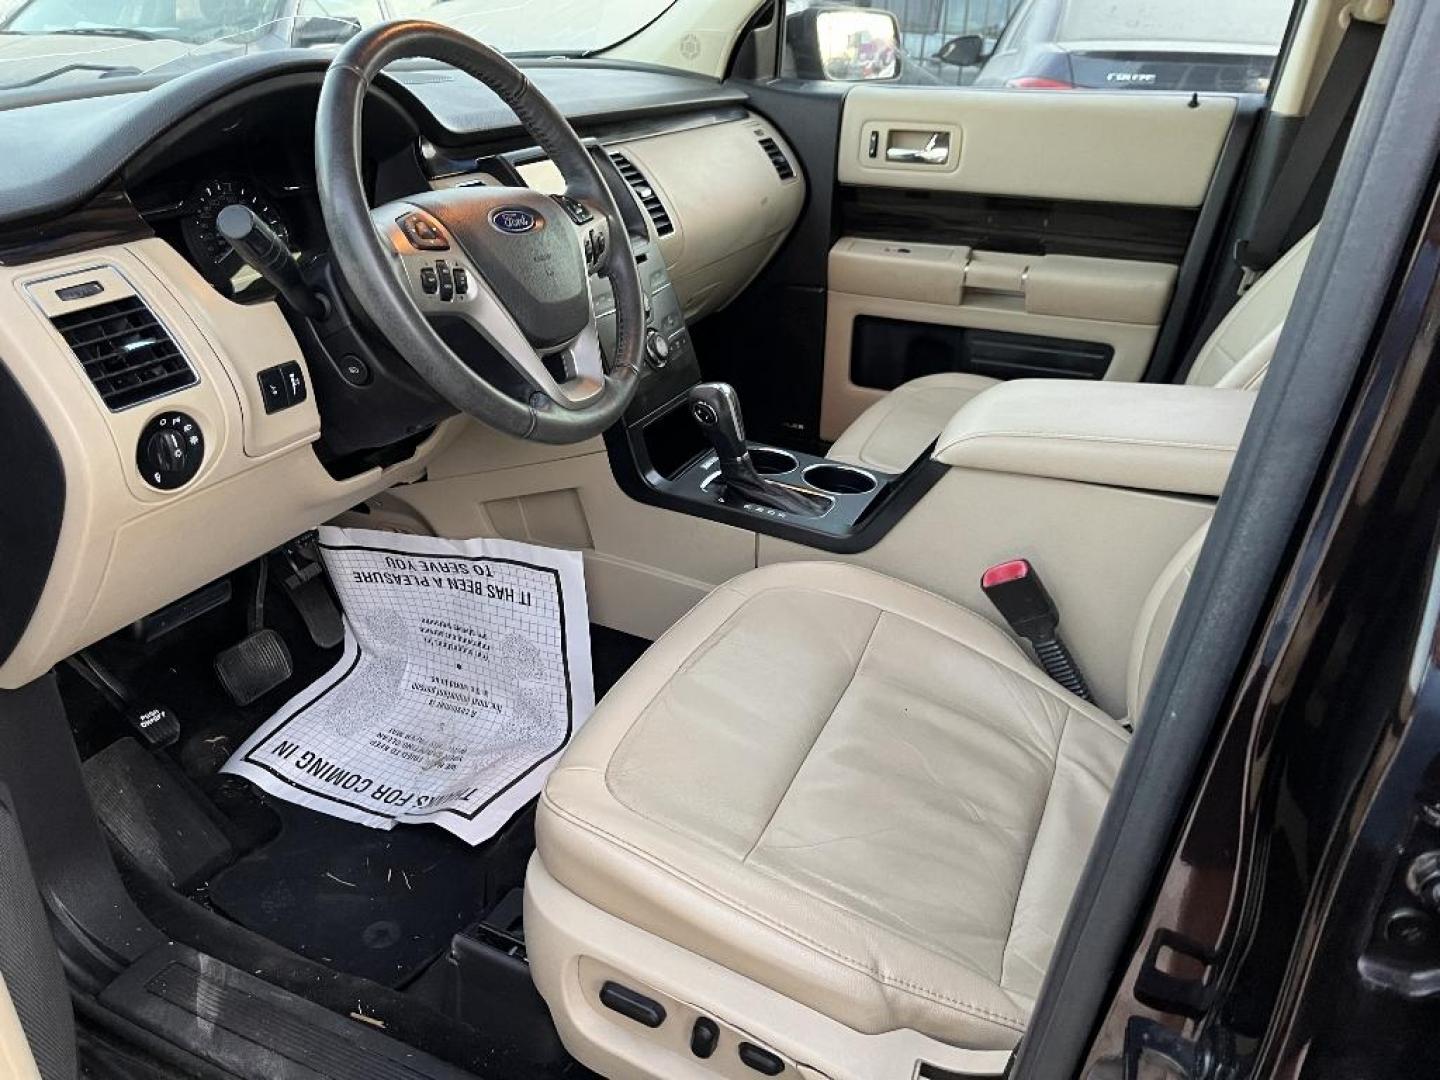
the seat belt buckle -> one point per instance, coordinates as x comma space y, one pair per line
1022, 599
1027, 608
1248, 272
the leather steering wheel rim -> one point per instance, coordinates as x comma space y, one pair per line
372, 265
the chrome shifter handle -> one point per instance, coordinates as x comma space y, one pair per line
716, 408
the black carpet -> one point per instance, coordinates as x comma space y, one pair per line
381, 905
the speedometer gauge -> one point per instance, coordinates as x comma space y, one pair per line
216, 259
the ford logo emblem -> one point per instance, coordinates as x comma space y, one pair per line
515, 220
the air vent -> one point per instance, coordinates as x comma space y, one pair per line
783, 168
645, 193
125, 351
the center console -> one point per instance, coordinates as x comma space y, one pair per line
682, 446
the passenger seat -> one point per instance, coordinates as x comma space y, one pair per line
896, 430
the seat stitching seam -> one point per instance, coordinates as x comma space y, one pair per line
1070, 436
859, 663
978, 719
1030, 852
828, 950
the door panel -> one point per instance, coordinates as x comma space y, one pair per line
1009, 233
1039, 311
1148, 149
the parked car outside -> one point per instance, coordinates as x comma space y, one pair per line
1220, 45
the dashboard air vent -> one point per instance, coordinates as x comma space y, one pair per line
127, 353
645, 193
783, 168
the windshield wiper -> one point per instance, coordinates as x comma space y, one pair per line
104, 71
106, 31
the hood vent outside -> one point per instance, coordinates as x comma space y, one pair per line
783, 168
126, 351
645, 193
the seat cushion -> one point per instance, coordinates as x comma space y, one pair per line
899, 427
848, 789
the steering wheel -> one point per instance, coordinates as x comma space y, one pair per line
512, 263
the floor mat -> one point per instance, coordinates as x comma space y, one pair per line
380, 905
150, 811
612, 653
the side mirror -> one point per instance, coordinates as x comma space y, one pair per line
324, 30
964, 51
844, 44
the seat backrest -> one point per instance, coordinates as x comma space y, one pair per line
1238, 353
1157, 619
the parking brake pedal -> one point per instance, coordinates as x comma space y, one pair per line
261, 660
1023, 601
155, 725
305, 585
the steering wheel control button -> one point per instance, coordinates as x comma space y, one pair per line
170, 450
423, 232
704, 1037
761, 1060
354, 370
574, 208
657, 349
447, 280
429, 283
462, 281
632, 1004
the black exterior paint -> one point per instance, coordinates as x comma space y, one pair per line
1292, 861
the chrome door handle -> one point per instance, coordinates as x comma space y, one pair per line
936, 151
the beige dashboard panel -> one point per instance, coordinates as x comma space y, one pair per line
729, 206
126, 549
1153, 149
1119, 303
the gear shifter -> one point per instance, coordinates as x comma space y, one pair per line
716, 408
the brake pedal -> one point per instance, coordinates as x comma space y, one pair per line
260, 661
253, 667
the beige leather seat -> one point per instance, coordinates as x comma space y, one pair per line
839, 815
896, 430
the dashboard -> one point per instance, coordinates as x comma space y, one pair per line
146, 470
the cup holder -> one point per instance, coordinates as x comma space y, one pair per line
772, 462
839, 479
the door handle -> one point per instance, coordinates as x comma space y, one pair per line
936, 151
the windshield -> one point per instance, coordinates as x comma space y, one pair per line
46, 42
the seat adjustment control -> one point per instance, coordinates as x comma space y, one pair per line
704, 1037
761, 1060
632, 1004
